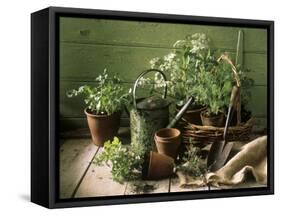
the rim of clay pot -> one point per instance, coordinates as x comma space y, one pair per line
176, 134
164, 141
97, 116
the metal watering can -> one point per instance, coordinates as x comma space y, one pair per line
148, 115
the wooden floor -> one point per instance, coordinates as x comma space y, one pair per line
79, 177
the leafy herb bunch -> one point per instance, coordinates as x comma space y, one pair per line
125, 161
182, 65
215, 88
192, 164
108, 97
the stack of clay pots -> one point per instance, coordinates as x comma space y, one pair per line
161, 164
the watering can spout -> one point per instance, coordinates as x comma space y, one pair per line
181, 112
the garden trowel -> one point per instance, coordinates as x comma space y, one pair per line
220, 150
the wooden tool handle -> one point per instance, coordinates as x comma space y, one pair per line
181, 112
235, 94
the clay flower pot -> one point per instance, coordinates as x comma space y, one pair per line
214, 120
157, 166
193, 115
168, 141
103, 127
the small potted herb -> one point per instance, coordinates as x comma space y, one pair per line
104, 104
124, 160
215, 92
216, 89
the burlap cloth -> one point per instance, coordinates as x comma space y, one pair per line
249, 164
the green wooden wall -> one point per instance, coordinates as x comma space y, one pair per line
87, 46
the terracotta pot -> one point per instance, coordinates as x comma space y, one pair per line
103, 127
168, 141
193, 115
158, 166
215, 120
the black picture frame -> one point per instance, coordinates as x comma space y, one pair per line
45, 113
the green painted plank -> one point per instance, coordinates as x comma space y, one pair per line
239, 48
73, 107
260, 124
134, 33
259, 78
258, 102
86, 62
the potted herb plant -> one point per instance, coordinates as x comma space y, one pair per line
215, 92
216, 89
189, 57
104, 103
193, 69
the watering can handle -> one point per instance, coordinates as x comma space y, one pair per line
138, 79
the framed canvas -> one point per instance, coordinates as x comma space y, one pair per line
139, 107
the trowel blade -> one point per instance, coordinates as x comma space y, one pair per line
221, 157
214, 153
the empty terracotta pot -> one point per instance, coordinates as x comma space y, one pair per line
103, 127
168, 141
157, 166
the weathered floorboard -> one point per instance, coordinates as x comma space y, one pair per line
75, 156
98, 182
78, 178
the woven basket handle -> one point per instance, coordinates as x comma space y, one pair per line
238, 84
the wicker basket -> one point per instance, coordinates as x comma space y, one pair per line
202, 135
